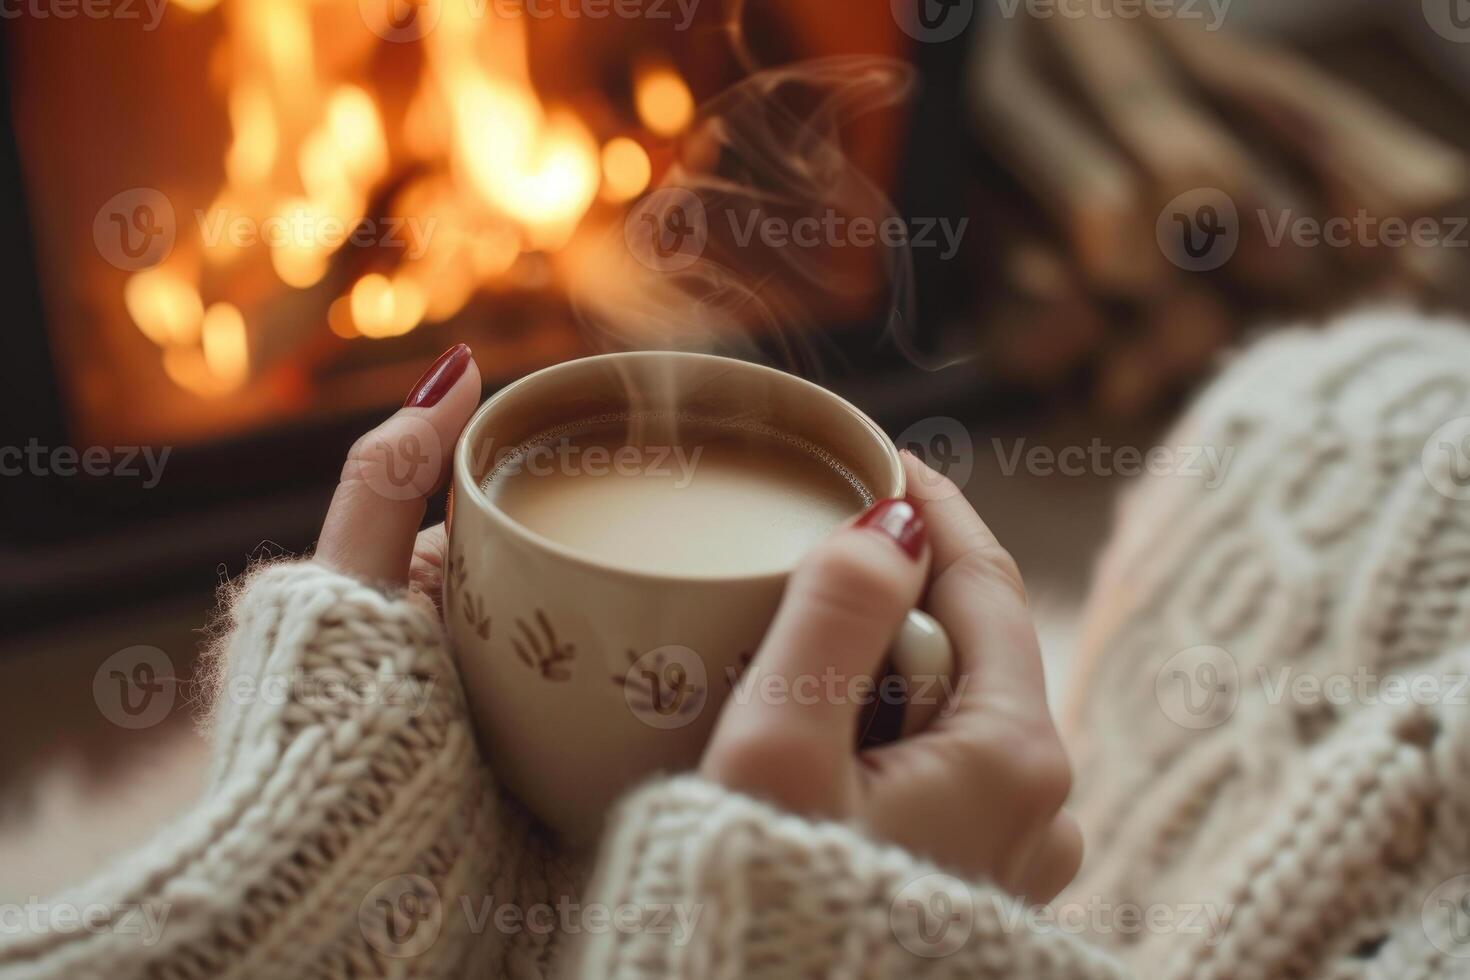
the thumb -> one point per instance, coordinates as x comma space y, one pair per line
805, 689
379, 503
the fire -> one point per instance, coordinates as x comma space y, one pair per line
252, 152
383, 307
299, 244
322, 146
224, 344
664, 102
626, 169
164, 305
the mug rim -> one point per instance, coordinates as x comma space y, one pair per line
462, 477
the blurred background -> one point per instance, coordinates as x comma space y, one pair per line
240, 229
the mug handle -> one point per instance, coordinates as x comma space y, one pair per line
923, 655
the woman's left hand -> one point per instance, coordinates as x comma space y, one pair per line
372, 527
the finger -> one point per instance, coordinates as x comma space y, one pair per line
426, 572
988, 789
1056, 862
375, 513
976, 592
811, 677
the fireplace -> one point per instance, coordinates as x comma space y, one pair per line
246, 226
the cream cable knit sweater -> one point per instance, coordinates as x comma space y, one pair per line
1239, 825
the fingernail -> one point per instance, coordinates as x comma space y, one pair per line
437, 381
900, 521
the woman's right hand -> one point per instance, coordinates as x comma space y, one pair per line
980, 791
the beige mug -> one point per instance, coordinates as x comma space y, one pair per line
585, 678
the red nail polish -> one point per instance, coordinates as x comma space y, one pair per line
900, 521
437, 381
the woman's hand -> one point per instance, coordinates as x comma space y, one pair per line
980, 791
372, 527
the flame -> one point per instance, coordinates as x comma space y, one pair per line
339, 318
253, 149
664, 102
626, 169
480, 166
540, 170
304, 236
165, 306
383, 307
226, 351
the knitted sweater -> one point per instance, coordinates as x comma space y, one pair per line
1240, 824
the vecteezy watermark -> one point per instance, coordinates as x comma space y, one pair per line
679, 13
310, 228
1211, 12
402, 459
128, 462
933, 21
833, 687
944, 445
1362, 687
834, 230
144, 920
563, 456
135, 229
1446, 459
321, 689
1446, 917
933, 916
669, 229
1363, 230
1198, 688
148, 12
1450, 19
665, 688
669, 687
1208, 463
404, 916
1097, 916
1201, 687
135, 687
1199, 230
405, 21
401, 916
401, 21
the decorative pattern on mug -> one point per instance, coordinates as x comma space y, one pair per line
477, 615
542, 651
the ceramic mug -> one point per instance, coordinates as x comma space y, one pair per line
584, 677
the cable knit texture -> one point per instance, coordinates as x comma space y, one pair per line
1270, 731
348, 824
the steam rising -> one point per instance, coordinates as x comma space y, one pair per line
694, 271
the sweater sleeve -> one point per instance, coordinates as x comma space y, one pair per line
708, 883
347, 821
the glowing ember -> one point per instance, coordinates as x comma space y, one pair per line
302, 238
382, 307
164, 305
225, 352
664, 102
626, 169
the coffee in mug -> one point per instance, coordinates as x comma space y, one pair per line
677, 495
